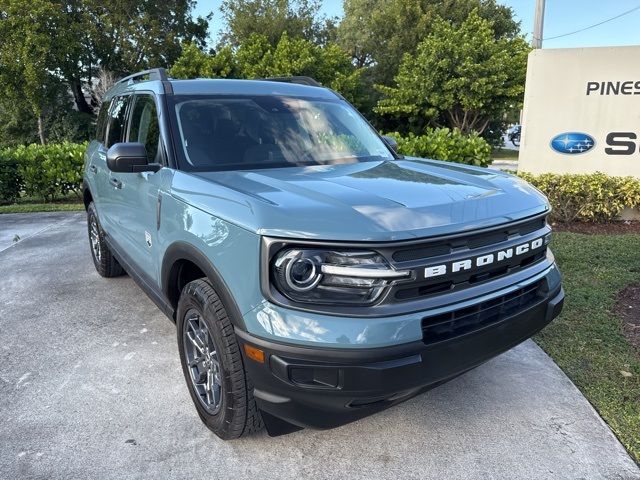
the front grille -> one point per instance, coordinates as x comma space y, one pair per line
478, 240
455, 323
467, 279
464, 247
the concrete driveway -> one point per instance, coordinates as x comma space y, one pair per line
91, 387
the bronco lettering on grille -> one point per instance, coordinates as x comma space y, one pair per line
484, 260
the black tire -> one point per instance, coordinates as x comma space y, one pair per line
103, 259
516, 140
236, 413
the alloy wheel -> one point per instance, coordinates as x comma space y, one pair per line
202, 361
94, 238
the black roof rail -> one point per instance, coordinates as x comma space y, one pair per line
299, 79
153, 74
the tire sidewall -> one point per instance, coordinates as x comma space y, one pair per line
192, 298
92, 214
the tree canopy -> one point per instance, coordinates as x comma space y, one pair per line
257, 58
270, 18
53, 48
378, 33
29, 56
460, 76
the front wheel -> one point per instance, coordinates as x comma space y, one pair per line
516, 140
103, 259
212, 364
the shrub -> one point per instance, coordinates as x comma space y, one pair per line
446, 144
47, 171
594, 197
10, 180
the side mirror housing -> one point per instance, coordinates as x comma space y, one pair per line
129, 157
391, 142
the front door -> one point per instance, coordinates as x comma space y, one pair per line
135, 204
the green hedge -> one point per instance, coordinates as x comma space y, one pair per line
594, 197
10, 180
41, 171
446, 144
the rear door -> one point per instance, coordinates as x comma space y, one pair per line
94, 173
136, 196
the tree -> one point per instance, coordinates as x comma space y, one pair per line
377, 33
121, 36
462, 75
51, 48
29, 56
329, 65
130, 35
257, 58
195, 63
270, 18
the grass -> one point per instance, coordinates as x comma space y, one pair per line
586, 341
29, 205
41, 207
504, 154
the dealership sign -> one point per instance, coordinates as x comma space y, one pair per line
582, 111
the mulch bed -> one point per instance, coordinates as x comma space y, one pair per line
628, 309
613, 228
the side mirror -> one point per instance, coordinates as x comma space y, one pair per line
129, 158
391, 142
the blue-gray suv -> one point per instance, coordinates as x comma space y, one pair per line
315, 275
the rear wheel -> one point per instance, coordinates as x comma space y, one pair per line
212, 364
103, 259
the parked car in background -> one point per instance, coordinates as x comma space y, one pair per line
315, 275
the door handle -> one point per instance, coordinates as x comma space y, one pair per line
93, 168
116, 183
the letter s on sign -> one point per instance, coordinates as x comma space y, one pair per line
622, 147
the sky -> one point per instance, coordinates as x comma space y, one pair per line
561, 17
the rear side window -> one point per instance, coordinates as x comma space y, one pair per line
101, 124
117, 120
144, 125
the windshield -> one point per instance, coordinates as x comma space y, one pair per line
250, 132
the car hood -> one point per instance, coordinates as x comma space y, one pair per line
366, 201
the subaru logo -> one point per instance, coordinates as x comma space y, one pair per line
572, 143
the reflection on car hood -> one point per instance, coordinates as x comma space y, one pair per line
367, 201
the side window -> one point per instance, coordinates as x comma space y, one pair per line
101, 124
144, 125
117, 120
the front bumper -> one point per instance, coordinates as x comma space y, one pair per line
328, 387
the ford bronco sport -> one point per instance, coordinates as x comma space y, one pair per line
315, 275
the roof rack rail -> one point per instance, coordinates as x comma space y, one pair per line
299, 79
153, 74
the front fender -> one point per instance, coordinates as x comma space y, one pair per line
228, 255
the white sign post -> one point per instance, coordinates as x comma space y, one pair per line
582, 111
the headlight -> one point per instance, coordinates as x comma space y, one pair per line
332, 277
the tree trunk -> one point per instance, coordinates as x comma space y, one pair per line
43, 140
78, 96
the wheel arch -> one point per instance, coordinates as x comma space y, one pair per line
178, 263
87, 196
